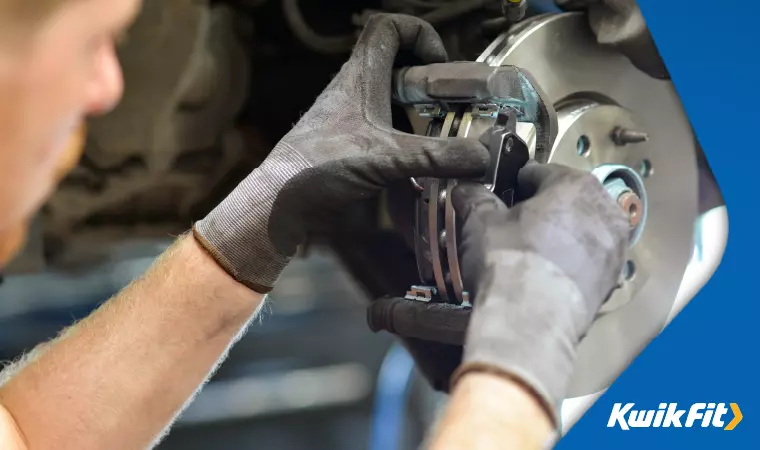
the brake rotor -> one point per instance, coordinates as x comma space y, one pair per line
597, 92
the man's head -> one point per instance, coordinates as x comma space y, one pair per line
57, 66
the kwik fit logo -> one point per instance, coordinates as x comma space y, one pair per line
669, 415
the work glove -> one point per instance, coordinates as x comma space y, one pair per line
538, 273
342, 150
620, 24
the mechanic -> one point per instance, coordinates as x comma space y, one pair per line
119, 378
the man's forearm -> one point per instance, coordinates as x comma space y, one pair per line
490, 412
117, 378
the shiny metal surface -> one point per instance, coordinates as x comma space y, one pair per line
435, 244
562, 54
440, 265
451, 245
471, 124
618, 179
435, 228
589, 140
631, 204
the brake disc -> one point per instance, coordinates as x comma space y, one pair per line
612, 118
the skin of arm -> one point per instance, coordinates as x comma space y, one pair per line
119, 378
492, 412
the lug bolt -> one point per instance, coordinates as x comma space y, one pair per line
622, 136
632, 206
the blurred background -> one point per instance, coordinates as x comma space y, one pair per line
308, 374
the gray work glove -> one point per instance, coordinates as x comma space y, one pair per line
342, 150
620, 24
538, 273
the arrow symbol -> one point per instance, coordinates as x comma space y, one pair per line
737, 417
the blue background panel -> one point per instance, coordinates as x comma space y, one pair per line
709, 352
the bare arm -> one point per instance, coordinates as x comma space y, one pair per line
119, 377
489, 412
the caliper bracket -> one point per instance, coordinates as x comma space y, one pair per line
436, 89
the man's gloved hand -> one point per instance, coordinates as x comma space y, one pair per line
343, 149
538, 273
620, 24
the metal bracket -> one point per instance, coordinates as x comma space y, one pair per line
429, 110
485, 110
421, 293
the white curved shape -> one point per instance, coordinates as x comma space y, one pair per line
573, 409
710, 239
